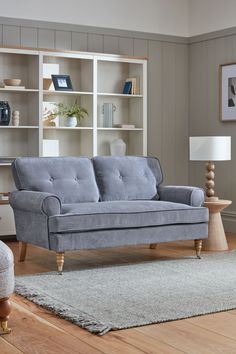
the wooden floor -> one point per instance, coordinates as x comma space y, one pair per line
35, 330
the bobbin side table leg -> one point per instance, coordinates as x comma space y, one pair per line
216, 240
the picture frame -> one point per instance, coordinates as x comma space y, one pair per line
228, 92
62, 82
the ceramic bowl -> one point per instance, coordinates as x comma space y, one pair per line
12, 82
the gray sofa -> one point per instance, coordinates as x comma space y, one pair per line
72, 203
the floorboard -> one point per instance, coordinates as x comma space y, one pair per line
37, 331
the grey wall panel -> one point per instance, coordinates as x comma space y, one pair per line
95, 43
140, 47
126, 46
46, 38
63, 40
169, 140
155, 80
0, 34
111, 44
181, 114
168, 109
29, 37
79, 41
11, 35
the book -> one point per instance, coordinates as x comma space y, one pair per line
134, 85
127, 88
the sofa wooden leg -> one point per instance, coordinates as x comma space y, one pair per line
198, 247
5, 309
23, 250
60, 261
153, 246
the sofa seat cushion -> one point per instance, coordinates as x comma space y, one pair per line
124, 214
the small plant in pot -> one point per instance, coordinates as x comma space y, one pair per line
71, 113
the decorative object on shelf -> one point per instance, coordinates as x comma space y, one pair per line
210, 148
15, 118
5, 113
118, 147
48, 71
72, 114
108, 109
228, 92
62, 82
50, 147
49, 118
12, 82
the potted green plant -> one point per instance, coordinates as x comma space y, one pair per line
71, 113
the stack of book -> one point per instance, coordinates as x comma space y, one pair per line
130, 86
14, 87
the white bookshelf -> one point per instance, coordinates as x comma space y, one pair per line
96, 79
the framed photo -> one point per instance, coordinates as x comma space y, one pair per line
228, 92
62, 82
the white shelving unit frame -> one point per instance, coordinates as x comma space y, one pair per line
27, 139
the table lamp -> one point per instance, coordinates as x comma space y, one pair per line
210, 148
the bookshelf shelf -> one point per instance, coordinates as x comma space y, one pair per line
16, 90
119, 95
68, 128
68, 93
19, 127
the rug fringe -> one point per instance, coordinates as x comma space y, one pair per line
81, 319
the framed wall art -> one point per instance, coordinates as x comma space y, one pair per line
228, 92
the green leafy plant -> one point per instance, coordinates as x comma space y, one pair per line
67, 111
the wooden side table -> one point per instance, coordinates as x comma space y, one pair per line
216, 240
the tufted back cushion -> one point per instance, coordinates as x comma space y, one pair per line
128, 177
70, 178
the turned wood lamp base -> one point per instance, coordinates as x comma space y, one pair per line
5, 309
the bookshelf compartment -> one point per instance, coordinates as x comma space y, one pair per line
20, 66
132, 139
27, 105
126, 111
19, 142
72, 142
116, 73
86, 101
80, 71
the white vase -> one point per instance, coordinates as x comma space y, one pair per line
118, 147
71, 122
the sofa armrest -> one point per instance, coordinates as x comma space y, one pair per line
36, 202
182, 194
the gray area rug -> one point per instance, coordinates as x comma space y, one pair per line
116, 297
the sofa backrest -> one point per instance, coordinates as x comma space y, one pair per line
127, 177
70, 178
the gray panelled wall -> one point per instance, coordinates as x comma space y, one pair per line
205, 56
167, 78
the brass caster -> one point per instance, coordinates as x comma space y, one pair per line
5, 329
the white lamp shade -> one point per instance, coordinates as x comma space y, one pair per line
210, 148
